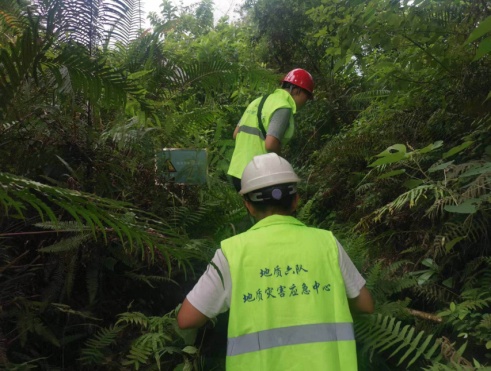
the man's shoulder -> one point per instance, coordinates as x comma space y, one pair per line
230, 241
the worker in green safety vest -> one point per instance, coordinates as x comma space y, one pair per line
267, 123
290, 289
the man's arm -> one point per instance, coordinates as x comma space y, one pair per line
363, 303
359, 298
209, 297
236, 131
278, 125
272, 144
189, 317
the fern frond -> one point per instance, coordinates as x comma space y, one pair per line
369, 95
384, 281
133, 318
437, 209
381, 333
477, 267
137, 356
66, 244
434, 293
149, 279
92, 352
364, 188
397, 308
65, 226
475, 304
485, 323
29, 322
471, 230
72, 268
409, 198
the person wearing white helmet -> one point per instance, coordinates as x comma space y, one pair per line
267, 123
290, 289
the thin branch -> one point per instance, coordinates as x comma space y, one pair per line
424, 315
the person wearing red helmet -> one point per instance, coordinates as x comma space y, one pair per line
267, 123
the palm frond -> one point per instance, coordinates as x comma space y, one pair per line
209, 74
19, 60
102, 216
91, 23
126, 135
12, 21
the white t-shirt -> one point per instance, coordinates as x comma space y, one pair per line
211, 297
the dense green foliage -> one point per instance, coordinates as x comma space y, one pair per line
395, 153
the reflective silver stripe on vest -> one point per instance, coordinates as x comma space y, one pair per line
251, 130
278, 337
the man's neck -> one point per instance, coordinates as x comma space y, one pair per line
260, 216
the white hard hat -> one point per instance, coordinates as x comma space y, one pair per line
265, 171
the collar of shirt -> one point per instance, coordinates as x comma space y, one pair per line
277, 219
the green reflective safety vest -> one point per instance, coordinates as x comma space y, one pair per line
249, 141
289, 309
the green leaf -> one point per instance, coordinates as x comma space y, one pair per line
448, 283
467, 207
478, 170
424, 277
483, 28
443, 166
396, 148
189, 335
428, 262
483, 49
449, 245
461, 350
338, 65
431, 147
188, 366
488, 345
457, 149
190, 350
413, 183
138, 74
391, 174
389, 159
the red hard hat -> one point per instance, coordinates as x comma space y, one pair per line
300, 78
